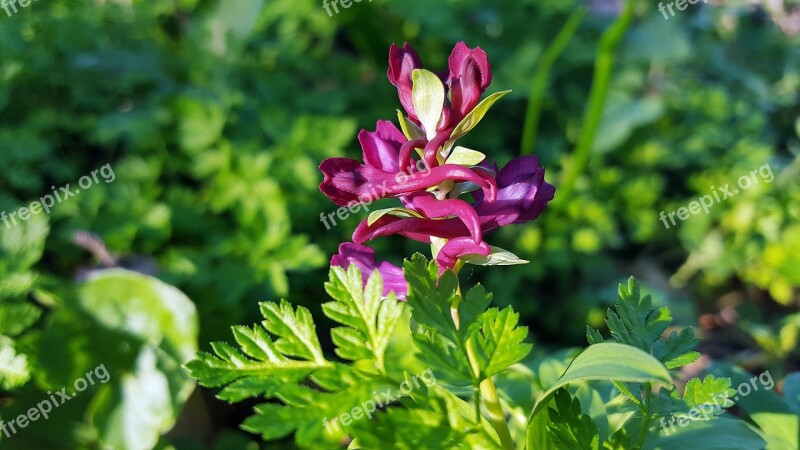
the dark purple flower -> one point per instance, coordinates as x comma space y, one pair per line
364, 258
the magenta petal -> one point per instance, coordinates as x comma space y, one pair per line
402, 63
364, 258
432, 208
343, 180
459, 59
458, 247
381, 148
413, 228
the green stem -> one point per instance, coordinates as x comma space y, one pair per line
487, 391
604, 65
541, 79
645, 416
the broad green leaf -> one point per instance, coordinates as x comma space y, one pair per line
465, 157
374, 216
498, 257
718, 434
142, 402
791, 391
427, 94
609, 362
779, 424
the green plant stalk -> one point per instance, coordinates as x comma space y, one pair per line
645, 416
487, 391
492, 401
604, 65
541, 79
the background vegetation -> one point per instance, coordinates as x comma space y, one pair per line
215, 114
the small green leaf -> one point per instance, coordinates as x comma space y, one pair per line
474, 117
498, 257
427, 94
374, 216
610, 362
465, 157
411, 130
500, 342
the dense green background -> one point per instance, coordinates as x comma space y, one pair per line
215, 114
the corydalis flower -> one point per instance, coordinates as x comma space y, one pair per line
440, 110
364, 258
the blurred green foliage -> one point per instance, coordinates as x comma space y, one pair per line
215, 114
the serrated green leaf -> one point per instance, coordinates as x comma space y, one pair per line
569, 426
637, 323
711, 390
370, 319
262, 357
677, 350
500, 342
295, 330
427, 95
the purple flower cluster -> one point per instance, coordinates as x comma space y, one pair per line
440, 109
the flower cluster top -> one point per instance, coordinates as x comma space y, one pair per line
420, 164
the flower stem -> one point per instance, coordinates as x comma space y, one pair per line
490, 398
645, 417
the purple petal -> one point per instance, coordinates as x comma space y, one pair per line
364, 258
522, 194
